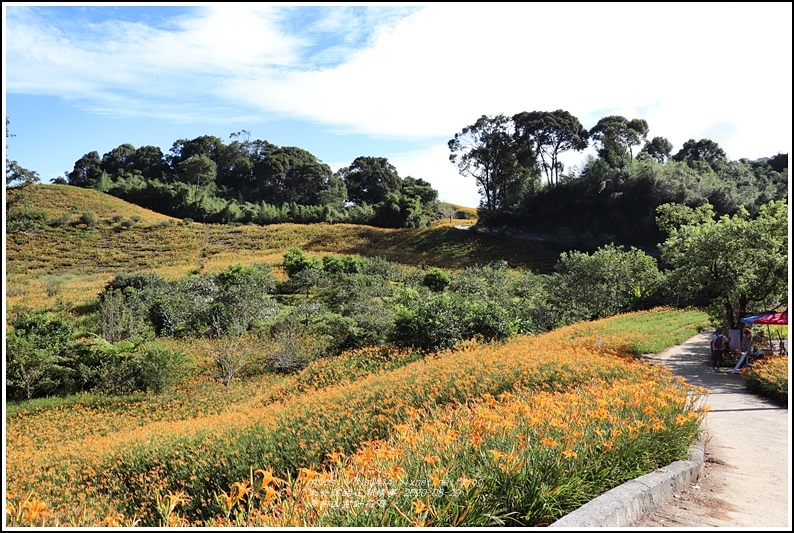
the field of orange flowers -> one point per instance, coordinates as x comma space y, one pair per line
487, 434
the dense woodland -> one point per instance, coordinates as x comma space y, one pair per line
515, 162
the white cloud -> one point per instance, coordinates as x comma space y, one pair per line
692, 70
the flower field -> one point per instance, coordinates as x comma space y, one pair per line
517, 433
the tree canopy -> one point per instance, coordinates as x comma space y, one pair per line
548, 134
738, 262
486, 151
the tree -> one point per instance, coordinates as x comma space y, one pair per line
199, 169
15, 173
183, 149
150, 162
658, 148
704, 150
87, 171
740, 263
549, 134
369, 180
617, 135
609, 281
486, 151
294, 175
119, 160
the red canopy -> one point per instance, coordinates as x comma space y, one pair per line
773, 318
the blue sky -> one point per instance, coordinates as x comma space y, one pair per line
388, 80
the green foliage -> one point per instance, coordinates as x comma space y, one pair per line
436, 279
433, 322
658, 148
346, 264
295, 261
122, 315
89, 218
125, 367
610, 281
242, 299
25, 219
704, 152
545, 135
617, 135
38, 362
485, 151
739, 263
293, 352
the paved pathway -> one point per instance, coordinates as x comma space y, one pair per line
746, 480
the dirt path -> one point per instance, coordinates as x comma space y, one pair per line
746, 479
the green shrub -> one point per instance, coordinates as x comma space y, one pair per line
430, 323
89, 218
38, 361
295, 261
125, 367
436, 279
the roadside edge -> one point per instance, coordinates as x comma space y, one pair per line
623, 505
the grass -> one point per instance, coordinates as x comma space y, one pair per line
83, 260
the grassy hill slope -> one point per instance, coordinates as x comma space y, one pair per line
70, 262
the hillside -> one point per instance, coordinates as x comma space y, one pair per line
71, 261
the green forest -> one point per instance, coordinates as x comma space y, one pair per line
515, 162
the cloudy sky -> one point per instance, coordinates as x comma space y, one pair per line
390, 80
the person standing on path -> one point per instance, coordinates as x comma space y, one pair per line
719, 343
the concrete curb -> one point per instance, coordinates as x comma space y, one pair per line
621, 506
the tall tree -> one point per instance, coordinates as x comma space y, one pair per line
547, 134
294, 175
703, 151
119, 160
199, 169
87, 170
486, 151
740, 263
369, 180
150, 162
617, 136
184, 149
658, 148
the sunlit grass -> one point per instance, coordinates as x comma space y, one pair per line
67, 265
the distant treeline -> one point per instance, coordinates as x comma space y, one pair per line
257, 182
515, 162
613, 197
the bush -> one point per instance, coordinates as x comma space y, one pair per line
430, 323
25, 219
38, 361
89, 218
293, 352
295, 261
125, 367
436, 280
